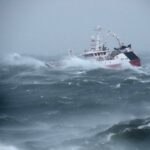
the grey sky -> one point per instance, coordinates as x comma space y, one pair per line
53, 26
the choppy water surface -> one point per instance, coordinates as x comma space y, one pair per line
73, 105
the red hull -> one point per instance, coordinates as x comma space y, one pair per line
135, 62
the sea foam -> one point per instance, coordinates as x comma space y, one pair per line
16, 59
7, 147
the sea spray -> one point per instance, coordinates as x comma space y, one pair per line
16, 59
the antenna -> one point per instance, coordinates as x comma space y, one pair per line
115, 36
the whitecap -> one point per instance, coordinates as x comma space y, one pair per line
118, 86
132, 78
7, 147
144, 126
109, 136
76, 62
16, 59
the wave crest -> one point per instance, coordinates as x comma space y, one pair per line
76, 62
8, 147
16, 59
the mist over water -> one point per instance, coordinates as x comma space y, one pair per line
72, 104
50, 101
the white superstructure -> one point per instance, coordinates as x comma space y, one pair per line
111, 58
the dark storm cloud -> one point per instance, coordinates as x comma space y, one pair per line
53, 27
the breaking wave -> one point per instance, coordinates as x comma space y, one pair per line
76, 62
134, 133
128, 135
4, 147
73, 62
16, 59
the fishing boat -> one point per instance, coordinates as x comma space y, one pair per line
113, 58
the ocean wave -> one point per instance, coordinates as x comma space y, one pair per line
138, 79
131, 131
7, 147
16, 59
76, 62
132, 135
143, 70
6, 120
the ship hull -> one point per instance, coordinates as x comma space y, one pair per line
122, 59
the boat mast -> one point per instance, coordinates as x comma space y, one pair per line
98, 30
93, 43
116, 37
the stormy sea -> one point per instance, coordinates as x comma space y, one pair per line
73, 104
